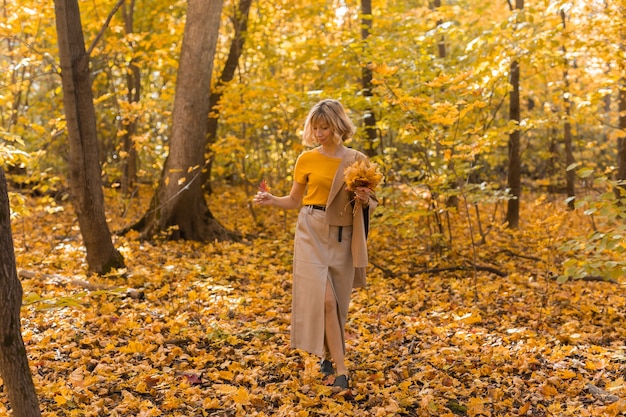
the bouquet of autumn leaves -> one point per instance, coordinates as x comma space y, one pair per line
362, 174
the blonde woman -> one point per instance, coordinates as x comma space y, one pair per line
330, 252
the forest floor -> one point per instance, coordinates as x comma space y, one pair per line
210, 335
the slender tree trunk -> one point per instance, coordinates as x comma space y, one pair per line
133, 81
515, 162
14, 369
606, 110
84, 164
621, 142
552, 171
369, 119
178, 207
441, 41
570, 175
452, 201
240, 23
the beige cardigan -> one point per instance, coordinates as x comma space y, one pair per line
339, 212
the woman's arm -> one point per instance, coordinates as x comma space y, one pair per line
288, 202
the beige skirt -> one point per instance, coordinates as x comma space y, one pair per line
320, 259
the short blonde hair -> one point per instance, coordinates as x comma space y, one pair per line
330, 112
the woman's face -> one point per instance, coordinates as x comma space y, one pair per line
323, 133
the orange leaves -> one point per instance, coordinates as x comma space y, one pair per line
137, 347
445, 114
239, 395
263, 187
211, 336
469, 318
362, 174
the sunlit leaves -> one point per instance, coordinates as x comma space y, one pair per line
603, 247
211, 335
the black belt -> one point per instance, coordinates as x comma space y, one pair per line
323, 208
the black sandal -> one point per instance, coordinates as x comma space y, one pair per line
341, 382
326, 367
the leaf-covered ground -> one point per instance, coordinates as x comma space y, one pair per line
210, 336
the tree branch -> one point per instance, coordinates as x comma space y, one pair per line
460, 268
104, 27
390, 274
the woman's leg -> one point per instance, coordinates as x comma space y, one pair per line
332, 330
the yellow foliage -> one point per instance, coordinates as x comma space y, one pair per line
211, 335
362, 174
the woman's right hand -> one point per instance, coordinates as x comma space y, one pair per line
263, 198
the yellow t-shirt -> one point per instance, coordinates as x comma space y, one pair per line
317, 172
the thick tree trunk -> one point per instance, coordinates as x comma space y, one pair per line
84, 164
369, 118
240, 23
14, 369
515, 162
178, 207
133, 81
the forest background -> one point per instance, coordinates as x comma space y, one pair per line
496, 255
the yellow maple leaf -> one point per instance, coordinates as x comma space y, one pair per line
477, 406
225, 375
137, 347
566, 374
548, 390
225, 389
60, 400
241, 397
211, 403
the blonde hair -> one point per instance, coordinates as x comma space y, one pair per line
332, 113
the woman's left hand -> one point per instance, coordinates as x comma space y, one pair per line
363, 194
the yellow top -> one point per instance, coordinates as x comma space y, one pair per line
317, 172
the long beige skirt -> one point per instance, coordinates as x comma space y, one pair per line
320, 259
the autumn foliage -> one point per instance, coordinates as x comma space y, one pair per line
362, 174
209, 336
462, 316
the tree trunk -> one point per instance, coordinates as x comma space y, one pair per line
452, 201
133, 81
621, 105
621, 143
570, 175
369, 119
14, 369
515, 162
240, 23
441, 42
178, 207
84, 164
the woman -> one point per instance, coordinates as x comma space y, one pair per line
330, 252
